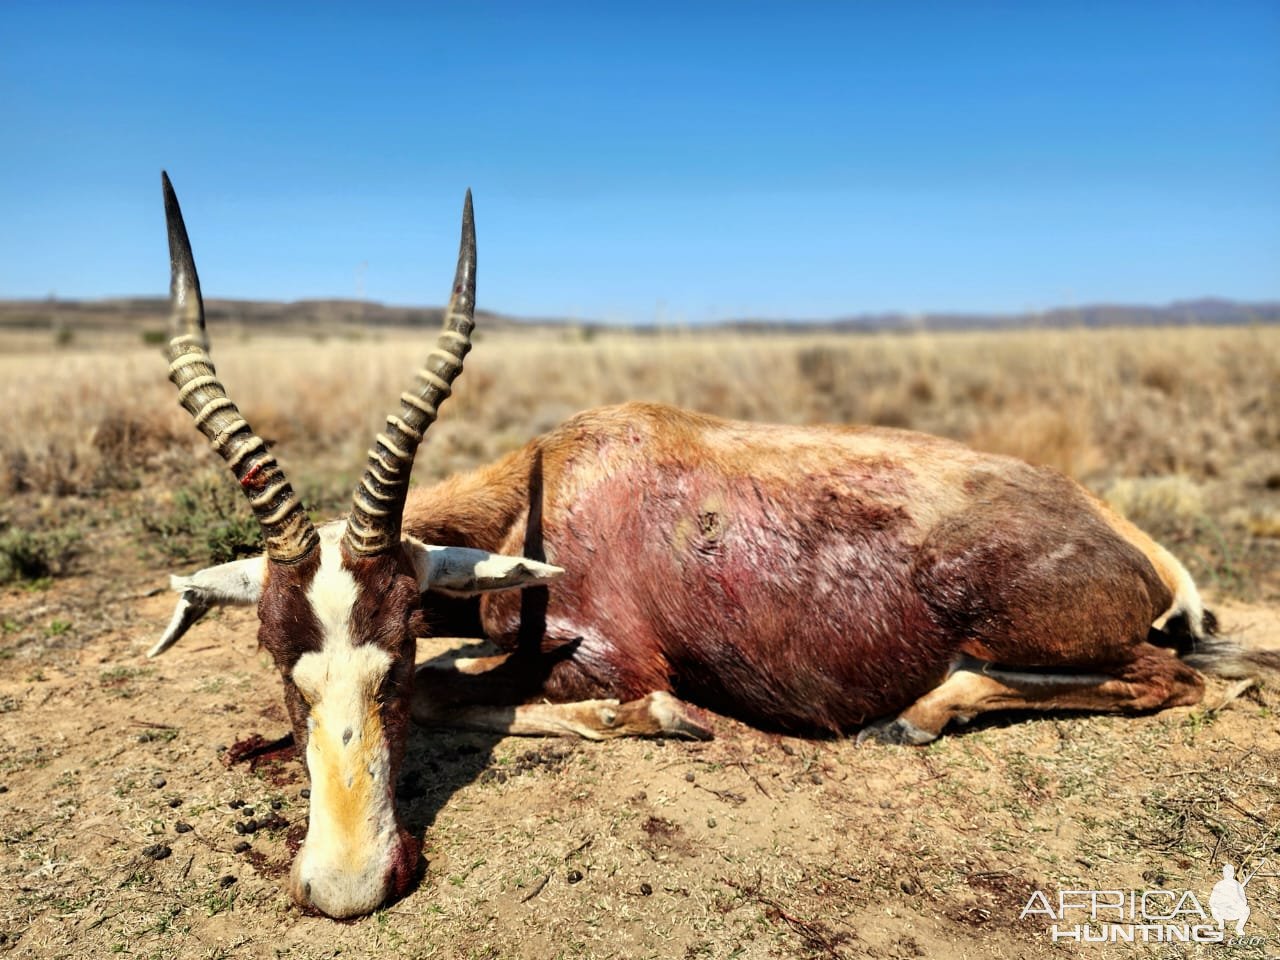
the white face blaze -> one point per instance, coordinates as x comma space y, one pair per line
351, 841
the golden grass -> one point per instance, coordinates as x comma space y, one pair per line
1198, 403
1180, 428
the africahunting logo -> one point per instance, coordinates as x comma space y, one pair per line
1151, 916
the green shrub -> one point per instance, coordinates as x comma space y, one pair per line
35, 555
207, 522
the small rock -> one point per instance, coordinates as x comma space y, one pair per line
157, 851
886, 804
906, 886
788, 749
241, 847
158, 781
689, 777
815, 779
646, 890
182, 827
175, 803
226, 881
711, 821
574, 876
3, 788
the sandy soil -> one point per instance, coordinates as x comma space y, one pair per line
747, 846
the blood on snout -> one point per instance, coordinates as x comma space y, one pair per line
405, 864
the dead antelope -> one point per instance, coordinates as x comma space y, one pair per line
808, 579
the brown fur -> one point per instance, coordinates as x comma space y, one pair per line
287, 628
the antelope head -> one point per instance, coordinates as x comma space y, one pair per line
339, 607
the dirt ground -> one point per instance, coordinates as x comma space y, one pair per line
124, 831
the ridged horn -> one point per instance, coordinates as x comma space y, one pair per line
378, 504
286, 528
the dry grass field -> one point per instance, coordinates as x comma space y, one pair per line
749, 846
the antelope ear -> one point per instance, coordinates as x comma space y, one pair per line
238, 583
463, 572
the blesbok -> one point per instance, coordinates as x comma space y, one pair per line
809, 579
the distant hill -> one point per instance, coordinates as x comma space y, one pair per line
1203, 312
151, 313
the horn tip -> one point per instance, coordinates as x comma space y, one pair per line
172, 211
467, 250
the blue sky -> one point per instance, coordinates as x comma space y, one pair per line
682, 162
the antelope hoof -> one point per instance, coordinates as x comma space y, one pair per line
677, 719
896, 732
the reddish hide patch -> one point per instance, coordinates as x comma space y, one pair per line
786, 605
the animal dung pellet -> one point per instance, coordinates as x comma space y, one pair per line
235, 804
574, 876
241, 847
226, 881
646, 890
272, 821
175, 803
182, 827
158, 781
157, 851
690, 777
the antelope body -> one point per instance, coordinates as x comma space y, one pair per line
810, 579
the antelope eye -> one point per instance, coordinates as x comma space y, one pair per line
301, 692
